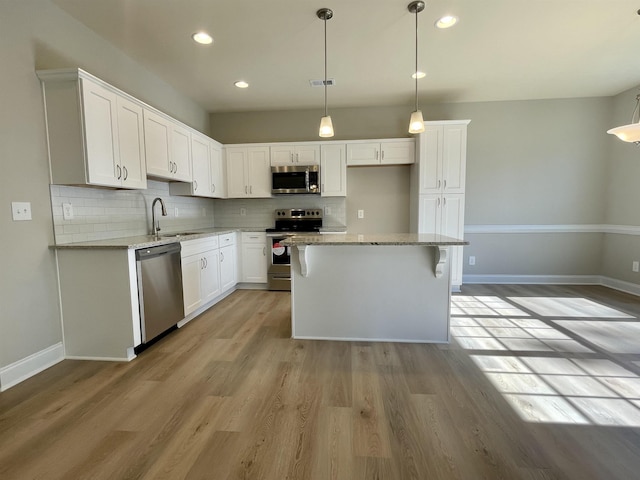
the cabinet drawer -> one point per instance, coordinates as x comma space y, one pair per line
254, 237
198, 246
226, 239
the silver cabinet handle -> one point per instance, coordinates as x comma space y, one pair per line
377, 153
445, 184
292, 158
439, 183
213, 187
250, 189
382, 154
221, 257
246, 189
119, 171
195, 185
264, 251
444, 201
297, 157
126, 173
202, 264
438, 202
322, 188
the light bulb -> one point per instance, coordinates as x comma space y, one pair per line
416, 124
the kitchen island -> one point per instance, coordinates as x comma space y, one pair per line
386, 287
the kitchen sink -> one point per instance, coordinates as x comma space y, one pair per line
179, 234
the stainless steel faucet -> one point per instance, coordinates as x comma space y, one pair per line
155, 225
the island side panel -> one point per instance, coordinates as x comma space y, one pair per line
370, 292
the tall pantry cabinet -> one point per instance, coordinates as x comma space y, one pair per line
438, 186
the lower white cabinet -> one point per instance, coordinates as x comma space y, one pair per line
208, 270
254, 257
444, 215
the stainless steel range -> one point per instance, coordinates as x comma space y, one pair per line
288, 222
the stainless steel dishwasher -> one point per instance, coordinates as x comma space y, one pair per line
159, 289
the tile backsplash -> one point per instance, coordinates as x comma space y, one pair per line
100, 214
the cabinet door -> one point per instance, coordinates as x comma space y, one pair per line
254, 263
191, 284
218, 186
227, 267
236, 177
103, 164
131, 144
398, 153
363, 154
452, 225
201, 184
333, 171
430, 214
454, 158
430, 168
307, 155
180, 153
210, 286
259, 172
157, 133
282, 155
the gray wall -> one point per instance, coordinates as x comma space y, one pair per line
36, 35
528, 163
623, 206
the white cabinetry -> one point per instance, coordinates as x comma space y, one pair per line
381, 152
168, 146
248, 172
208, 269
206, 167
333, 170
444, 159
438, 186
228, 261
254, 257
200, 272
288, 154
94, 131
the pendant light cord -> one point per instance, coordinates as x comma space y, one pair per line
325, 65
416, 70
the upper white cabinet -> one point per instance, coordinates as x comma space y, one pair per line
206, 168
443, 164
288, 154
381, 152
168, 147
248, 172
218, 172
94, 131
333, 170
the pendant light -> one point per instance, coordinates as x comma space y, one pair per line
631, 132
326, 126
416, 124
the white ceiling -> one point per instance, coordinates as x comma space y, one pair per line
500, 50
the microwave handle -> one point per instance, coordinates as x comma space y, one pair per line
306, 179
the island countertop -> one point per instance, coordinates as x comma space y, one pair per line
426, 239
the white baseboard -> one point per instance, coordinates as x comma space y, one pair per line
621, 285
534, 279
627, 287
29, 366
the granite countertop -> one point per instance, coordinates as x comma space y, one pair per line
375, 239
146, 241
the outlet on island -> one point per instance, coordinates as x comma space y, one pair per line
360, 213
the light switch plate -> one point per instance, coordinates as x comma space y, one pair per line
67, 211
21, 211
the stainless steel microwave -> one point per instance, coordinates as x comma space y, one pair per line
298, 179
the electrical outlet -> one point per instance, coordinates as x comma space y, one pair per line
67, 211
21, 210
635, 266
472, 260
176, 213
327, 210
360, 213
243, 212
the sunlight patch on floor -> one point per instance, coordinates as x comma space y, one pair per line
534, 365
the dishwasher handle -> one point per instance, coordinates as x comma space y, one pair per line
151, 252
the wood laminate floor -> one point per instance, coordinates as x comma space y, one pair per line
537, 383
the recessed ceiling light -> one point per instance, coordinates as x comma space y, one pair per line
419, 75
447, 21
241, 84
202, 37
